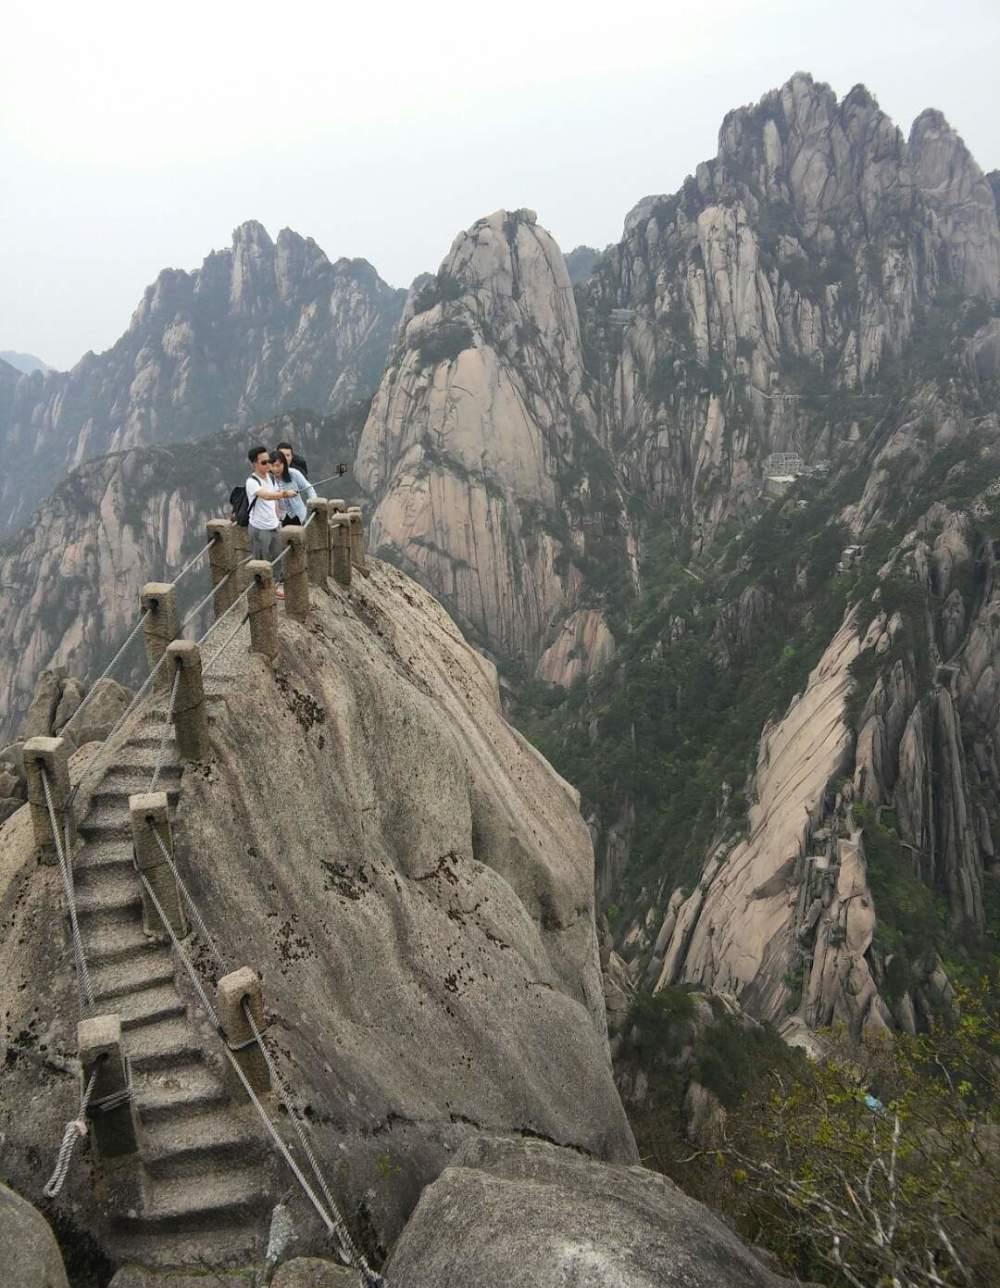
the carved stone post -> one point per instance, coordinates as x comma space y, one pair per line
337, 505
159, 600
233, 990
296, 573
52, 756
318, 542
148, 816
222, 558
190, 717
357, 539
263, 608
340, 535
112, 1124
242, 542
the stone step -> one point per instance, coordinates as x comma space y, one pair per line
217, 1197
150, 1006
108, 819
133, 975
162, 1045
231, 1251
115, 890
96, 861
187, 1145
119, 943
179, 1092
119, 786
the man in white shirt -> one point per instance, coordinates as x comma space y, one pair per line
264, 524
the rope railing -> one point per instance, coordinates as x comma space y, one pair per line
332, 1220
109, 668
66, 872
193, 560
76, 1129
201, 604
161, 752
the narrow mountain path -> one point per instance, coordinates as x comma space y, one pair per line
203, 1183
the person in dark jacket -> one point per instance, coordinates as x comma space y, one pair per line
296, 462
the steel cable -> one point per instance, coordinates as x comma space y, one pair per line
369, 1277
191, 562
76, 1129
67, 879
167, 730
108, 669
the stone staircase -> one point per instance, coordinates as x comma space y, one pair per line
203, 1185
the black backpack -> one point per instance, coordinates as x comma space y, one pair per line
241, 505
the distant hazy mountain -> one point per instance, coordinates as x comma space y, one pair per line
263, 327
26, 362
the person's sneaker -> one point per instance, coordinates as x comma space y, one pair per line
279, 592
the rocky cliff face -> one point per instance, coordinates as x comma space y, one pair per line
481, 443
70, 581
825, 288
416, 888
263, 327
777, 287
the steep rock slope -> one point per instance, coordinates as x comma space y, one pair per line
70, 580
415, 885
480, 445
263, 327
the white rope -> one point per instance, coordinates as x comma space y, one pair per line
66, 873
370, 1277
76, 1129
191, 562
167, 731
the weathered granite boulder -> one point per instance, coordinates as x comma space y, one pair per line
526, 1214
70, 698
44, 703
414, 884
94, 719
30, 1253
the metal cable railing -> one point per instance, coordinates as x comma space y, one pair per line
332, 1219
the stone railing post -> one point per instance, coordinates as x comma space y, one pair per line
340, 536
357, 539
337, 505
233, 990
148, 816
52, 756
222, 560
112, 1123
296, 573
318, 542
263, 608
190, 716
159, 601
241, 540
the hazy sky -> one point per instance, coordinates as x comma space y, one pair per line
135, 137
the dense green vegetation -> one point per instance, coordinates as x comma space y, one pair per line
874, 1164
709, 650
